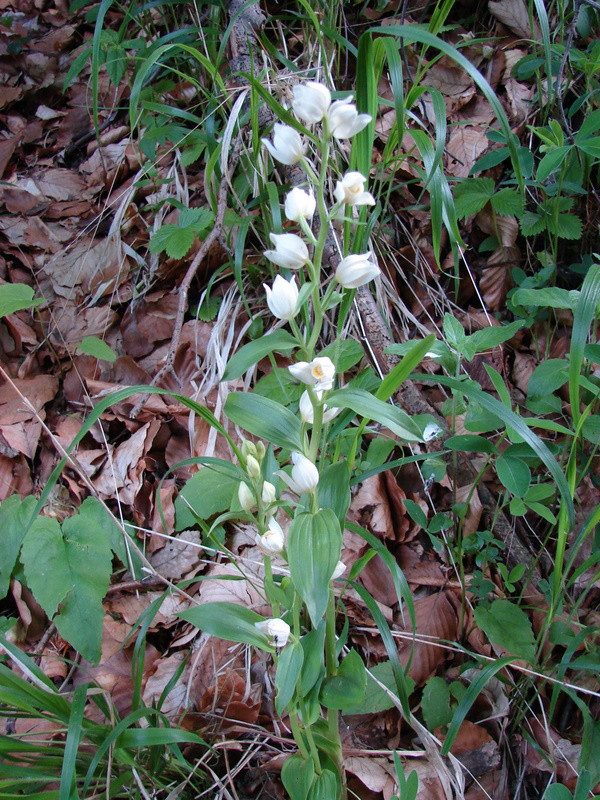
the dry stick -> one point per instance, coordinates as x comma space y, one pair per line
184, 288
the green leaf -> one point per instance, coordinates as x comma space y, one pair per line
266, 419
416, 513
546, 378
334, 489
347, 686
376, 699
15, 297
289, 665
173, 240
198, 218
551, 161
208, 492
557, 791
493, 336
325, 787
513, 474
532, 223
568, 226
507, 203
370, 407
297, 775
15, 517
435, 703
469, 443
93, 346
344, 353
312, 644
471, 196
94, 516
550, 296
279, 385
280, 341
507, 625
228, 621
314, 547
70, 568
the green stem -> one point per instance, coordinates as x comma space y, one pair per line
269, 583
297, 733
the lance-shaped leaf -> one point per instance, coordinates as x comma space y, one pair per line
280, 341
228, 621
314, 547
265, 418
370, 407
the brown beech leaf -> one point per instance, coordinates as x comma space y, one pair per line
465, 145
436, 619
523, 369
124, 472
180, 556
515, 15
157, 679
20, 403
379, 507
375, 773
130, 607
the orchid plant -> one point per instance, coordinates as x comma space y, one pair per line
299, 512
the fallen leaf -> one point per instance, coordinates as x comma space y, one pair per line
435, 619
465, 145
515, 15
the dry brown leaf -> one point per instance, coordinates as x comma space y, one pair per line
505, 229
470, 495
375, 773
218, 587
523, 369
94, 270
68, 329
18, 423
131, 606
515, 15
157, 679
435, 619
15, 477
465, 145
520, 97
379, 507
180, 556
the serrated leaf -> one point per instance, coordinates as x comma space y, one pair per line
532, 223
93, 346
15, 297
471, 196
197, 218
70, 568
568, 226
507, 203
507, 625
173, 240
209, 309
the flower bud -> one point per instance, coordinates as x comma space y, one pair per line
276, 629
248, 448
273, 540
287, 146
246, 496
290, 251
311, 101
282, 298
320, 372
252, 467
354, 271
305, 476
351, 190
299, 204
339, 570
344, 120
269, 493
260, 450
307, 410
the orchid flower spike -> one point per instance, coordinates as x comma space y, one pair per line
282, 297
305, 476
311, 101
344, 120
290, 251
351, 190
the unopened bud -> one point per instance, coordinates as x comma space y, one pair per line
252, 467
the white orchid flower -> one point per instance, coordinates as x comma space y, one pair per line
246, 497
344, 120
290, 251
287, 146
269, 493
339, 570
299, 204
273, 540
311, 101
320, 372
356, 270
305, 476
307, 411
282, 298
351, 190
276, 629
